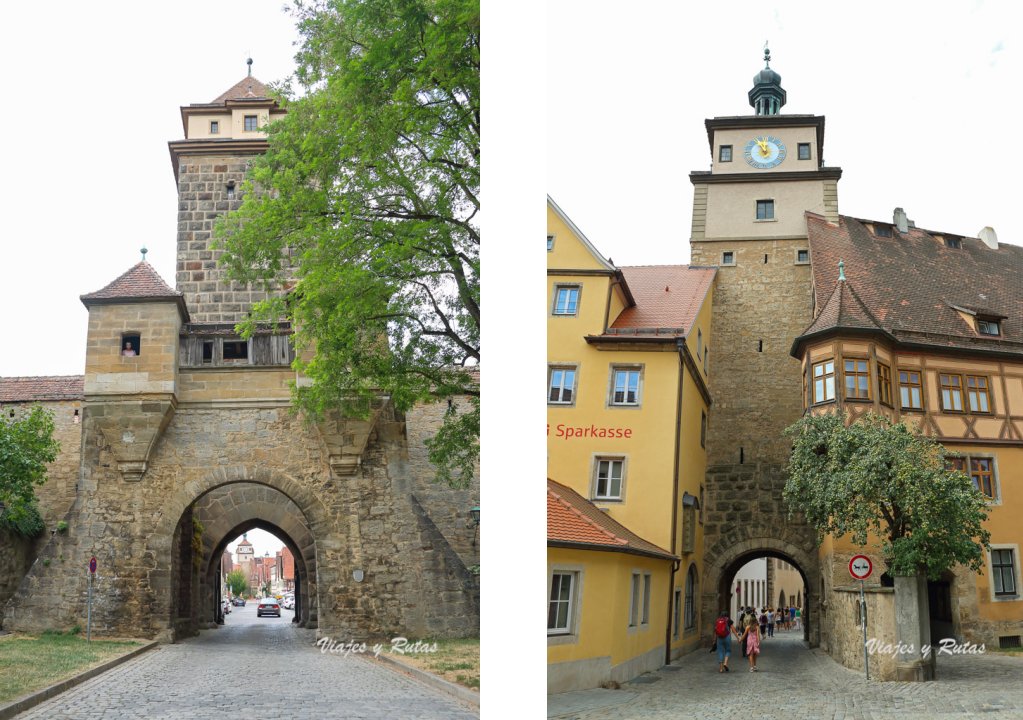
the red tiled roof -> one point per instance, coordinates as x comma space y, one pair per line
246, 88
141, 281
37, 389
911, 283
574, 521
668, 297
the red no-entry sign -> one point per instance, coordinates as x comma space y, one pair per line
92, 566
860, 567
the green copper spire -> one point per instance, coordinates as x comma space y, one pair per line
841, 271
767, 95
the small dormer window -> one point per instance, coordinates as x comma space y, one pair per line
954, 242
882, 230
988, 327
214, 127
131, 345
250, 123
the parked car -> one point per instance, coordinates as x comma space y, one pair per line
268, 606
288, 603
239, 602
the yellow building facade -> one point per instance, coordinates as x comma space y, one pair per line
628, 403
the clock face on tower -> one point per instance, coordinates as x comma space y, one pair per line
764, 152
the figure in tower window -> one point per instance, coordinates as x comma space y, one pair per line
128, 351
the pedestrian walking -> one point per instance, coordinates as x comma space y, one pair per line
763, 622
723, 633
799, 619
792, 616
751, 640
770, 622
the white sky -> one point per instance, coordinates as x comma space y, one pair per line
92, 93
262, 542
921, 100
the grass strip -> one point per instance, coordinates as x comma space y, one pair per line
29, 663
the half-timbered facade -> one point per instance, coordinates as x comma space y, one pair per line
927, 328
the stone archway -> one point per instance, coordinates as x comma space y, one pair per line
725, 558
276, 505
230, 510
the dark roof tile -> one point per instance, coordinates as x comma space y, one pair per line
910, 284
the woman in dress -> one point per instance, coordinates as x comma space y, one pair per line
751, 637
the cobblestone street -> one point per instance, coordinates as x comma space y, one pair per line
796, 683
252, 668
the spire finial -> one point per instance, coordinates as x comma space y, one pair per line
249, 63
144, 251
767, 55
841, 271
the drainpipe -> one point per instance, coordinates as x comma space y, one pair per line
680, 345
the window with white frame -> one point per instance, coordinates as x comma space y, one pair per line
1003, 571
625, 385
609, 475
566, 299
550, 243
823, 381
560, 385
561, 605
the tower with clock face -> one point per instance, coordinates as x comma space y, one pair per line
749, 221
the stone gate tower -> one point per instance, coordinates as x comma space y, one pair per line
748, 219
209, 167
188, 440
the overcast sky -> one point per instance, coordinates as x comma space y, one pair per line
92, 93
922, 104
262, 543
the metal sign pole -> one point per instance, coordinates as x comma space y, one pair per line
863, 621
88, 623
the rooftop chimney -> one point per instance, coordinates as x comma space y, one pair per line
989, 238
900, 220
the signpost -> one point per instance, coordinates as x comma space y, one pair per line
860, 568
88, 622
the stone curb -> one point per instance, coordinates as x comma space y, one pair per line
464, 694
27, 702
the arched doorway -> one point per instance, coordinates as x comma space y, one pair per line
722, 568
205, 526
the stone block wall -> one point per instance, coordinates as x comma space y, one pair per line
202, 198
415, 582
846, 634
54, 497
153, 370
759, 308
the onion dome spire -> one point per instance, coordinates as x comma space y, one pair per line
767, 95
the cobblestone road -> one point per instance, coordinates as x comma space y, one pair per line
264, 668
795, 683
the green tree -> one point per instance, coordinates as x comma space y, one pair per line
882, 478
26, 446
237, 583
365, 207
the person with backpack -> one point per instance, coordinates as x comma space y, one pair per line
770, 622
763, 622
723, 635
